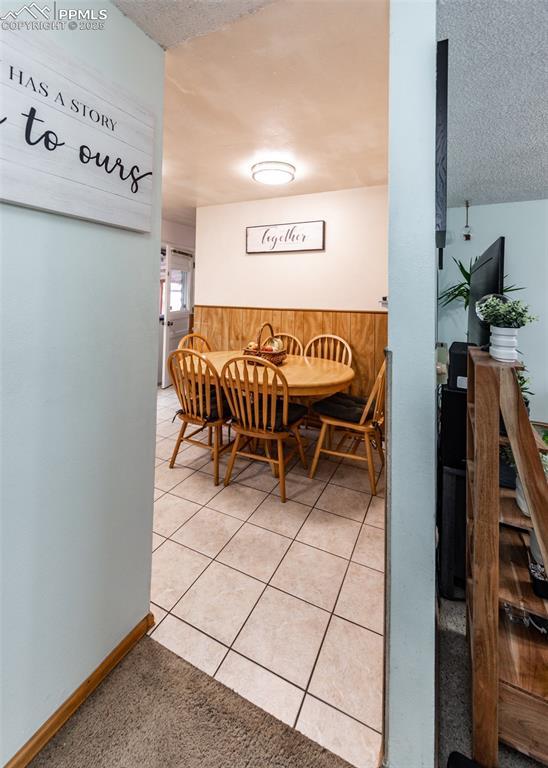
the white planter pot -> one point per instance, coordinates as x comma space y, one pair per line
504, 344
520, 498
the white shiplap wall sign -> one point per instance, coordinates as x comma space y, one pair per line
70, 141
282, 238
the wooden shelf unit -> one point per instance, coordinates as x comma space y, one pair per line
509, 660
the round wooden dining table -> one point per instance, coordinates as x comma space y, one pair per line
306, 376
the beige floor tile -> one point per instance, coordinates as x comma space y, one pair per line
193, 646
165, 478
370, 548
264, 689
344, 501
355, 743
238, 500
219, 602
167, 429
332, 533
281, 518
324, 470
376, 459
349, 672
283, 634
302, 489
158, 614
258, 475
170, 512
164, 450
208, 531
310, 434
362, 597
352, 476
311, 574
174, 568
193, 456
375, 513
198, 487
255, 551
163, 412
157, 493
239, 466
156, 541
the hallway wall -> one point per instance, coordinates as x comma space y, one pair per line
78, 333
410, 711
525, 227
180, 235
350, 274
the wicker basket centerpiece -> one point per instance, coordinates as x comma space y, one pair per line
271, 349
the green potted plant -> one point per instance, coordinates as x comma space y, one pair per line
504, 316
461, 291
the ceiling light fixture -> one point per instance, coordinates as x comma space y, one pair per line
272, 172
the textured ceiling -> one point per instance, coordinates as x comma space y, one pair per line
170, 22
498, 99
300, 81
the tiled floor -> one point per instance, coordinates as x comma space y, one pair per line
281, 602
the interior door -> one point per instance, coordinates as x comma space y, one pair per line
175, 307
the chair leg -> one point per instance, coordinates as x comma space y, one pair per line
273, 466
370, 465
300, 446
318, 450
217, 436
178, 444
232, 459
281, 468
379, 446
209, 436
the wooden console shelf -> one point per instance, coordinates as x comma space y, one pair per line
509, 656
510, 513
515, 587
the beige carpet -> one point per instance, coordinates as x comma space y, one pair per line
156, 711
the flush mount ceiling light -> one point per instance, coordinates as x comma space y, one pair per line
273, 172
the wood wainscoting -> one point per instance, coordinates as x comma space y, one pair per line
366, 332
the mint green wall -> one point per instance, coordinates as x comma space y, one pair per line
78, 337
525, 227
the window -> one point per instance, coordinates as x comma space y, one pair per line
178, 298
180, 280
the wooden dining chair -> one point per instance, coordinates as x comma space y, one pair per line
201, 399
195, 341
258, 397
293, 345
358, 419
329, 347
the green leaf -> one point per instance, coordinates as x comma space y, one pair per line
464, 272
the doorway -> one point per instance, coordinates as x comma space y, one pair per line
282, 602
175, 303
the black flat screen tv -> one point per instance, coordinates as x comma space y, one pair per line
441, 146
487, 276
